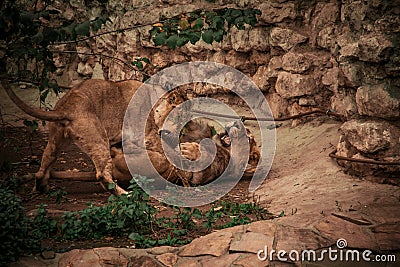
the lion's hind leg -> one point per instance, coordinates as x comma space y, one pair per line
56, 140
94, 142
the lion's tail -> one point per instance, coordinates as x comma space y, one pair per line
52, 115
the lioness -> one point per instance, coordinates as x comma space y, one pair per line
190, 137
90, 115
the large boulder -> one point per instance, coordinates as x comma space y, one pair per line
371, 136
289, 85
370, 140
378, 100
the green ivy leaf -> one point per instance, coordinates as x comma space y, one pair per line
218, 35
194, 37
208, 36
172, 41
182, 40
160, 38
197, 24
111, 186
83, 28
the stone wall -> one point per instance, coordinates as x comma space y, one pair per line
338, 55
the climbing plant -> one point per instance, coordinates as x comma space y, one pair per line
209, 26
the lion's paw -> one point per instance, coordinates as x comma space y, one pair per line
190, 150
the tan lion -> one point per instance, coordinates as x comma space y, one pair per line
190, 137
90, 115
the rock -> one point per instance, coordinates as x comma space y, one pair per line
378, 100
84, 69
261, 78
267, 228
352, 73
249, 39
295, 62
356, 236
325, 13
374, 47
344, 103
307, 102
79, 257
290, 85
354, 13
94, 257
143, 261
289, 238
387, 235
250, 260
274, 12
286, 38
222, 261
110, 256
48, 254
168, 259
251, 242
278, 105
215, 244
327, 38
370, 136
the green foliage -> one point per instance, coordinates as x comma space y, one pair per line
122, 215
58, 194
44, 226
14, 227
28, 35
210, 26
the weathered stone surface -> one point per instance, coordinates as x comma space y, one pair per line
188, 262
376, 101
356, 236
251, 242
250, 39
325, 13
215, 244
289, 238
374, 47
79, 257
162, 250
168, 259
286, 38
387, 235
290, 85
327, 38
250, 260
278, 105
48, 254
143, 261
110, 256
222, 261
261, 78
274, 12
370, 136
267, 228
296, 62
344, 103
84, 69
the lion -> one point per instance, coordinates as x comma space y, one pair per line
91, 115
189, 144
